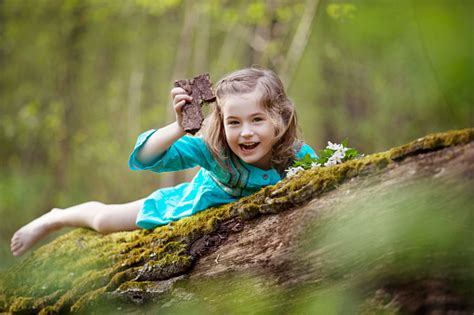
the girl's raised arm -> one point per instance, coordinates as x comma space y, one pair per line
164, 137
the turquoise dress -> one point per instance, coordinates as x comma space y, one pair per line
213, 184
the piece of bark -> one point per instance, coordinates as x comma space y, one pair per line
200, 89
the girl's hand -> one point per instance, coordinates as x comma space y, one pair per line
180, 97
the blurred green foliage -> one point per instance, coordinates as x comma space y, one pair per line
80, 79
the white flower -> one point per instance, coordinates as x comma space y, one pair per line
337, 147
338, 155
330, 162
293, 170
334, 146
334, 159
315, 164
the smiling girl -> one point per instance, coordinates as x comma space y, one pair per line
249, 140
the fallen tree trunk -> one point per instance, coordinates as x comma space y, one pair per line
390, 232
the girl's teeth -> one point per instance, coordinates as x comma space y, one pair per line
248, 146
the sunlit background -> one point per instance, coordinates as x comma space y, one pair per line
80, 79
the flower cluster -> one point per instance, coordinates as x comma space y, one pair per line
333, 154
293, 170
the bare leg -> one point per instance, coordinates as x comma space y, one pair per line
96, 215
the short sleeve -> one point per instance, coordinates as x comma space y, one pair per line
187, 152
305, 149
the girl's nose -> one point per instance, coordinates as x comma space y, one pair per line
246, 132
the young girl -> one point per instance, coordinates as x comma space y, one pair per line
249, 140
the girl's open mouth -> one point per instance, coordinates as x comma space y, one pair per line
248, 146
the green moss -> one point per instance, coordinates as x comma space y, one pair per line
121, 277
433, 142
21, 304
249, 210
87, 300
49, 310
137, 285
81, 266
3, 303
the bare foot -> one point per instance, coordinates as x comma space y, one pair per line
33, 232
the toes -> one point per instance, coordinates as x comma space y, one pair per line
15, 236
16, 252
16, 247
16, 244
15, 239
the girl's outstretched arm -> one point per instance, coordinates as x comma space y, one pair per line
164, 137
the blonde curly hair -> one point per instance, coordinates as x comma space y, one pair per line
280, 109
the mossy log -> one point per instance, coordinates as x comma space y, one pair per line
390, 232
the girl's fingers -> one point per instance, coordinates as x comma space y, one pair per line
178, 94
181, 98
178, 106
177, 90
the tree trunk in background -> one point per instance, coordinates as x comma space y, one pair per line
135, 97
68, 94
200, 64
328, 100
228, 47
261, 38
201, 43
183, 56
299, 42
137, 72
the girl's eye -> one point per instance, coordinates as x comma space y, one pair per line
257, 119
233, 122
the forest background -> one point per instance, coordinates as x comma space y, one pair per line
80, 79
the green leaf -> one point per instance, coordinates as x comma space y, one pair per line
345, 142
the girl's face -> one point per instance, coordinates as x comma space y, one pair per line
248, 129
